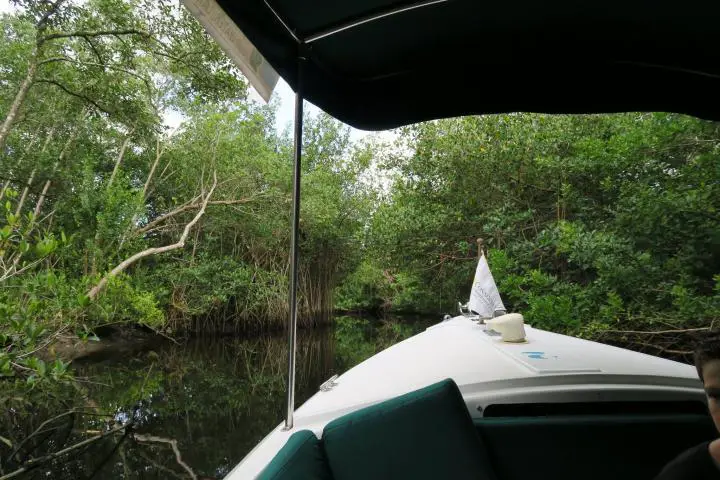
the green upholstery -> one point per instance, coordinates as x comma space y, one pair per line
598, 447
426, 434
301, 458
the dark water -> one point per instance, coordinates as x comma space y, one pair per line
214, 398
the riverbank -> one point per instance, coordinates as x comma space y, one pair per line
111, 341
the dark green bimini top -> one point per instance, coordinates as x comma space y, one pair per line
454, 57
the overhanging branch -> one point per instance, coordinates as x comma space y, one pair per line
102, 65
192, 205
75, 94
90, 34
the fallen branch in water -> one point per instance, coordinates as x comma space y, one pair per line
673, 343
656, 332
664, 349
39, 430
172, 443
36, 462
160, 467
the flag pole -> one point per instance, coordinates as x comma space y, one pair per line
481, 244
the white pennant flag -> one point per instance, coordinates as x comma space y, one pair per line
484, 297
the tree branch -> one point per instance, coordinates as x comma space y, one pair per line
74, 94
159, 150
12, 271
89, 41
19, 99
122, 266
192, 205
55, 59
86, 34
39, 430
42, 23
158, 466
664, 349
35, 462
655, 332
99, 64
173, 445
119, 159
182, 208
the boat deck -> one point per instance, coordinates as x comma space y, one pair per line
546, 368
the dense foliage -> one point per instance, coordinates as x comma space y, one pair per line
594, 223
110, 216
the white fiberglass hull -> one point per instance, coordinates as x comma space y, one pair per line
546, 368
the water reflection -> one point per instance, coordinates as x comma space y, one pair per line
208, 400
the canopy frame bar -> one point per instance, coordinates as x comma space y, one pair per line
284, 24
340, 27
347, 25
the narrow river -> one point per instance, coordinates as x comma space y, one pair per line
207, 400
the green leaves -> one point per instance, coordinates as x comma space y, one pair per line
46, 246
6, 369
12, 219
37, 365
59, 369
82, 300
589, 218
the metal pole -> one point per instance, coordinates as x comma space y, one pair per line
294, 255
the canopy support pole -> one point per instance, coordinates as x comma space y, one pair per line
294, 250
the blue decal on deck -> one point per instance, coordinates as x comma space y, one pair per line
537, 355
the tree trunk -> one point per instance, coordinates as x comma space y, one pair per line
195, 244
122, 266
26, 190
4, 188
29, 79
41, 200
24, 195
119, 159
7, 182
48, 182
158, 153
19, 99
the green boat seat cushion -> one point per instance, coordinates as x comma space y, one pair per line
593, 447
302, 458
426, 434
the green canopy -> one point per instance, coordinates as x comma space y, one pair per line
443, 58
